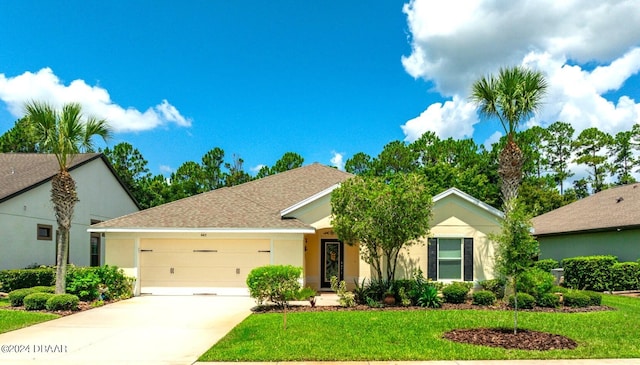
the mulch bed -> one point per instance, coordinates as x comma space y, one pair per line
505, 338
82, 306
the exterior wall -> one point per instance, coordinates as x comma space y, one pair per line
624, 244
453, 217
313, 262
101, 197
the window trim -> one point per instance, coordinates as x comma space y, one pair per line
49, 229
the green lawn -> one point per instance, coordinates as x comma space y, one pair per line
13, 319
417, 335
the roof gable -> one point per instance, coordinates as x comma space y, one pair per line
469, 199
256, 205
20, 172
606, 210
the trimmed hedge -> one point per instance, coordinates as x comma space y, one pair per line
36, 301
104, 282
546, 264
594, 298
62, 302
625, 276
576, 298
549, 300
589, 272
16, 297
11, 280
483, 297
455, 293
525, 301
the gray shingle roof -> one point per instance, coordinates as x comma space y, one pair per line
253, 205
20, 172
607, 210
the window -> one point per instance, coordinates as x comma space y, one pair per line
45, 232
449, 259
94, 250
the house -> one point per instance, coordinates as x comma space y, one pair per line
27, 222
208, 243
605, 223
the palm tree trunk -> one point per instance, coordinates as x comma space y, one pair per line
64, 198
510, 163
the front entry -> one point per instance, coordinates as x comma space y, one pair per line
332, 261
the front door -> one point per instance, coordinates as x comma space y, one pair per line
332, 261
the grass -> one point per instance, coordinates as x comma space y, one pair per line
14, 319
417, 335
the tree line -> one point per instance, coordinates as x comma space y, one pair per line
548, 156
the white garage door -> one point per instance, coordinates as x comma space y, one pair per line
179, 267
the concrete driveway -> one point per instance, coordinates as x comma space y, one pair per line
141, 330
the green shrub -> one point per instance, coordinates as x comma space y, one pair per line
594, 298
496, 286
45, 289
83, 282
36, 301
16, 297
11, 280
455, 293
546, 265
345, 297
548, 300
116, 284
625, 276
576, 298
525, 301
276, 283
588, 272
483, 297
62, 302
536, 282
429, 297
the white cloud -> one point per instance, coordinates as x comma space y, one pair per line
337, 160
494, 138
166, 169
455, 43
44, 85
455, 118
256, 168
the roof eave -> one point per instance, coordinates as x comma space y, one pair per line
591, 230
309, 230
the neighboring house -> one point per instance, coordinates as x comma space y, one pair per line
208, 243
605, 223
27, 222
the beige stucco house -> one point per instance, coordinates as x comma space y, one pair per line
208, 243
27, 222
605, 223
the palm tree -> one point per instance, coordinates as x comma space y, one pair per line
64, 133
513, 95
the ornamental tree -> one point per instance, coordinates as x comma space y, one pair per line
382, 216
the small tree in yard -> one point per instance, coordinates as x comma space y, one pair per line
277, 283
382, 216
516, 249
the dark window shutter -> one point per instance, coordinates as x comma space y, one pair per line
432, 259
468, 259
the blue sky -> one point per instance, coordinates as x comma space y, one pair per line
324, 79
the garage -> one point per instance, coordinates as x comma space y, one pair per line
216, 266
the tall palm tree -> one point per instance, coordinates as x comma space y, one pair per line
64, 133
513, 95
